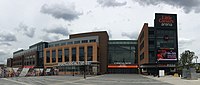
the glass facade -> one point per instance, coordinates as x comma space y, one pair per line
73, 54
122, 52
152, 50
53, 56
166, 38
81, 53
66, 55
60, 55
89, 53
48, 56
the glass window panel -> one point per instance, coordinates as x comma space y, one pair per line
66, 55
53, 56
59, 55
73, 54
89, 53
48, 56
81, 53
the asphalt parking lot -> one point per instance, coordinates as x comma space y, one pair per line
108, 79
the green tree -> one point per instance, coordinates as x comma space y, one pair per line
186, 58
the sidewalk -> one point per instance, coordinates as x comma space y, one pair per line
175, 80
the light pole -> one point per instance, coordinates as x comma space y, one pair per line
84, 75
196, 57
84, 71
73, 70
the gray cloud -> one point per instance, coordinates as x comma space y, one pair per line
186, 5
58, 30
132, 35
7, 37
102, 29
3, 57
61, 11
5, 44
184, 42
55, 33
28, 31
111, 3
50, 37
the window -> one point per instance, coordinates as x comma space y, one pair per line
151, 42
50, 46
60, 55
142, 36
152, 57
69, 42
81, 53
151, 32
76, 42
84, 41
48, 56
89, 53
93, 40
56, 44
66, 55
142, 56
73, 54
63, 43
142, 46
53, 56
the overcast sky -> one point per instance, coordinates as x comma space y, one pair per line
25, 22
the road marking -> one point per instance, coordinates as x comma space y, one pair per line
16, 81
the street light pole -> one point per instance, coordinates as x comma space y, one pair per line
196, 57
73, 70
84, 71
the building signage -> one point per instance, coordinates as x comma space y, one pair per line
122, 62
122, 66
75, 63
165, 20
166, 54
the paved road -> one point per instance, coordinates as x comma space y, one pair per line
108, 79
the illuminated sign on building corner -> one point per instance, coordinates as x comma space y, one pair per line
165, 20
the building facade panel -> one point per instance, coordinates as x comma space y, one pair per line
102, 57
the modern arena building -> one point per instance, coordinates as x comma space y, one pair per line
155, 49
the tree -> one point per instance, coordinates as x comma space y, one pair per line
186, 58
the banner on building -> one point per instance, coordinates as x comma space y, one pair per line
166, 54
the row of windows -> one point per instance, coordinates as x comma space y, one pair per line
73, 42
123, 42
171, 33
66, 54
17, 63
29, 63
